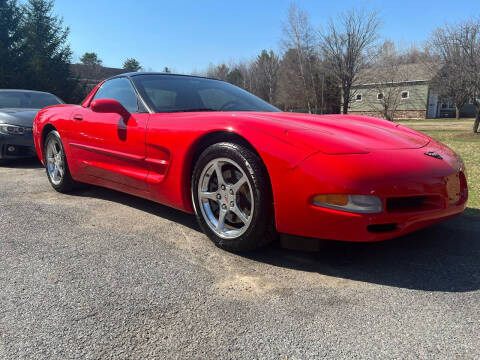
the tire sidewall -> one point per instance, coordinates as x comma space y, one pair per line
65, 183
254, 170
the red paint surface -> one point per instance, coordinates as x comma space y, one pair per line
150, 155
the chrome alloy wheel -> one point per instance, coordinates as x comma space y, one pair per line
55, 163
225, 197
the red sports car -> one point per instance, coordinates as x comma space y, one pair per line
246, 169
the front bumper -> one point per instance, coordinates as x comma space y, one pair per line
17, 146
396, 174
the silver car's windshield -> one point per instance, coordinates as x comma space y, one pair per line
27, 100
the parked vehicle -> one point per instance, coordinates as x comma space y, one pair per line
246, 169
17, 111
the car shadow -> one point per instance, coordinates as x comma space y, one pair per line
27, 163
140, 204
444, 257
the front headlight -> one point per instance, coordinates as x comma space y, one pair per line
461, 164
360, 204
14, 129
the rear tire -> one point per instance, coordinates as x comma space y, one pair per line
56, 164
233, 198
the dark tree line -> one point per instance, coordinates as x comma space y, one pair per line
34, 49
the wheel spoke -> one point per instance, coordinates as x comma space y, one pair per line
221, 220
208, 195
240, 214
218, 171
239, 183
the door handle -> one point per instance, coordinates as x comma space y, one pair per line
78, 117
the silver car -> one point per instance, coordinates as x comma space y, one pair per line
17, 111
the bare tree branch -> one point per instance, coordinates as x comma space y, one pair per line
345, 46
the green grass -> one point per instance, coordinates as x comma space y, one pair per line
464, 142
436, 121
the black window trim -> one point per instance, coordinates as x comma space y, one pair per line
142, 105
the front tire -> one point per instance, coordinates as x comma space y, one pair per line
56, 164
233, 198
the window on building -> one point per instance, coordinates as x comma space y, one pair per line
380, 96
358, 97
448, 105
405, 95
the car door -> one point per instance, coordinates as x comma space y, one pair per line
109, 147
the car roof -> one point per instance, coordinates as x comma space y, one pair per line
132, 74
26, 91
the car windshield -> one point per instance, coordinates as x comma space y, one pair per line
170, 93
27, 99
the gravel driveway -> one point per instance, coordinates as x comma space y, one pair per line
99, 274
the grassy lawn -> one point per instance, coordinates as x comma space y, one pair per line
457, 134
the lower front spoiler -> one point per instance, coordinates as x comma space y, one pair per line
337, 225
17, 147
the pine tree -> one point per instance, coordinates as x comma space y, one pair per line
11, 58
47, 50
91, 59
132, 64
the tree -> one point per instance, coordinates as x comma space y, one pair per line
291, 88
11, 52
91, 59
458, 47
470, 40
452, 81
235, 77
47, 50
218, 72
242, 75
166, 70
346, 45
300, 36
267, 65
132, 65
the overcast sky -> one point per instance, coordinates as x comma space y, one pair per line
187, 35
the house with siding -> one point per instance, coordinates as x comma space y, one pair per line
406, 89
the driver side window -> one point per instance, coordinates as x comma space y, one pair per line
119, 89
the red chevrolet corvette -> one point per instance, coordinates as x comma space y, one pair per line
246, 169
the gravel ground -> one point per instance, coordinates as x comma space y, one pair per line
99, 274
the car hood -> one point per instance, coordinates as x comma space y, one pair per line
343, 134
20, 117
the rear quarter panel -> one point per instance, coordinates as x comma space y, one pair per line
57, 116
